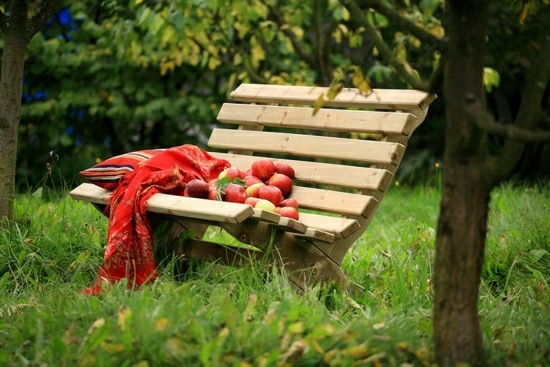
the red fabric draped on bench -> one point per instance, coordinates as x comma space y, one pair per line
129, 251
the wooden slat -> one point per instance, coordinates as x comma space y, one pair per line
333, 201
291, 225
316, 234
91, 193
266, 216
299, 228
341, 227
308, 146
216, 211
400, 99
361, 178
374, 122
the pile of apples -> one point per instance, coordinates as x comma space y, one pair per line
266, 185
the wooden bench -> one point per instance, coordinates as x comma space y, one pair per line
345, 157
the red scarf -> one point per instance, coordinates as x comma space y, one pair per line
129, 251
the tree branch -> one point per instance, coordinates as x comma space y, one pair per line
485, 121
300, 50
436, 80
403, 23
39, 20
536, 85
401, 67
323, 34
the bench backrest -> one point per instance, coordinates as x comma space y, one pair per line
345, 155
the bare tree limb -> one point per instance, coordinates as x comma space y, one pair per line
39, 20
436, 80
403, 23
485, 121
530, 115
18, 15
323, 34
537, 83
401, 67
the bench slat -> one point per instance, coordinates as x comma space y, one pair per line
216, 211
361, 178
341, 227
308, 146
318, 235
319, 227
374, 122
399, 99
333, 201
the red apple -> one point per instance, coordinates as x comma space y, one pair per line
285, 169
263, 168
197, 188
235, 193
250, 180
213, 193
290, 202
271, 193
265, 205
252, 201
283, 182
254, 190
288, 211
232, 173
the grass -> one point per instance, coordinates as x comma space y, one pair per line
223, 316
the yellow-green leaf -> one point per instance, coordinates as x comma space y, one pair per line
524, 13
113, 347
124, 315
161, 324
319, 103
334, 90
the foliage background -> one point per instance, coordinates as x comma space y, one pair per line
107, 77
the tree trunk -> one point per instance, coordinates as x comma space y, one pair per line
11, 88
462, 223
459, 259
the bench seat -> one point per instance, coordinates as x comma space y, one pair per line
345, 155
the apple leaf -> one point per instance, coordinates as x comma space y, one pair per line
221, 185
239, 181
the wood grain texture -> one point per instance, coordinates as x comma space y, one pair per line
373, 122
308, 146
396, 99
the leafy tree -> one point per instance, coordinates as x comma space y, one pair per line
135, 73
112, 76
480, 152
19, 21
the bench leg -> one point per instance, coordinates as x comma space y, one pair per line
304, 263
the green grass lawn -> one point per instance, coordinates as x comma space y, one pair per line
224, 316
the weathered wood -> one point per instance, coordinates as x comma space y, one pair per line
357, 121
389, 99
308, 146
